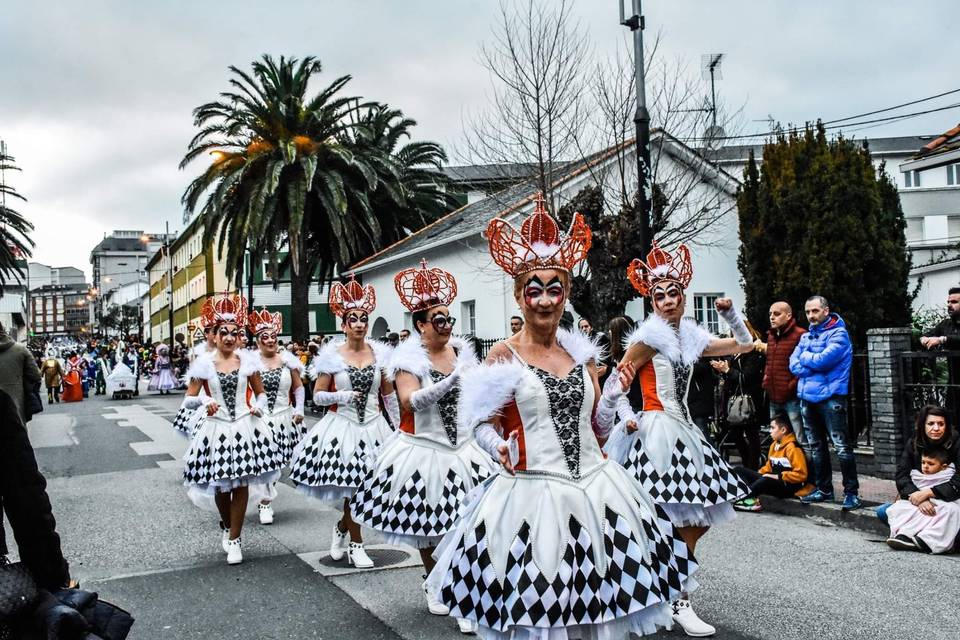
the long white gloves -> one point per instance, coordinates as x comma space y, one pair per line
423, 398
260, 404
488, 439
299, 397
392, 405
739, 327
606, 413
327, 398
195, 402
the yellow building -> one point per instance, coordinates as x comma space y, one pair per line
197, 273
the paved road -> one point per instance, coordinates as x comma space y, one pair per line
130, 534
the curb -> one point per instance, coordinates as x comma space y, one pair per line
863, 519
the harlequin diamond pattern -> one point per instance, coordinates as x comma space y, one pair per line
182, 421
682, 483
578, 593
409, 513
230, 454
319, 466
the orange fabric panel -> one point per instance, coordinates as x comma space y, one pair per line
406, 421
648, 386
510, 422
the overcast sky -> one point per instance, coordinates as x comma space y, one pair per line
96, 96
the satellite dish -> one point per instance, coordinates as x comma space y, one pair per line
714, 136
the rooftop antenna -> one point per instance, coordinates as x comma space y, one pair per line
710, 67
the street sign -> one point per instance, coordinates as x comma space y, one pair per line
198, 335
191, 326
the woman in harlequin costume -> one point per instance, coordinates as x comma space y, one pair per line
162, 379
662, 448
231, 447
280, 372
329, 462
562, 542
413, 489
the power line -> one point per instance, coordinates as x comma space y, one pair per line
905, 104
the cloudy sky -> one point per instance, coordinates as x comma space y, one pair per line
96, 96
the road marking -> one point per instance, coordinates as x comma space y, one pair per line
52, 430
163, 439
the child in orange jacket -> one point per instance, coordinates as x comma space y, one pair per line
784, 473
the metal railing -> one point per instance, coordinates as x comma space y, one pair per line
859, 413
929, 377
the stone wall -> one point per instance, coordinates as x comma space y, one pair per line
884, 347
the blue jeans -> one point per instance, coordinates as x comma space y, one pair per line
819, 420
882, 512
792, 409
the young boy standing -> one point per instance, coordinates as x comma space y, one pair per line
783, 474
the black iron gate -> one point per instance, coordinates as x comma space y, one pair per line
929, 377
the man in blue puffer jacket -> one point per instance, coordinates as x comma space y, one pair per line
822, 362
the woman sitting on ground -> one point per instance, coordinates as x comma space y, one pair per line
933, 526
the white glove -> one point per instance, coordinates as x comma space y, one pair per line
328, 398
423, 398
191, 403
260, 405
299, 397
488, 439
606, 412
392, 405
737, 325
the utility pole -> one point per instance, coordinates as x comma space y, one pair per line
641, 120
167, 243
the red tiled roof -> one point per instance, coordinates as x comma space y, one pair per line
943, 138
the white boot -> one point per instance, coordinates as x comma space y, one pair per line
338, 543
434, 605
224, 538
266, 513
691, 624
357, 556
467, 627
234, 553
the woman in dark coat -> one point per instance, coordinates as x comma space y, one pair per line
933, 429
743, 374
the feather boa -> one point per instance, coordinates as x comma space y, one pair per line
581, 348
411, 356
204, 368
684, 346
329, 361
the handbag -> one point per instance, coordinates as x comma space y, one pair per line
18, 590
740, 407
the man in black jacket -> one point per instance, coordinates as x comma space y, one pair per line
946, 335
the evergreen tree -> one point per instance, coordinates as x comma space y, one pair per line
816, 217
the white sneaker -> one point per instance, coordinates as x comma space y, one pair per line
338, 543
224, 538
434, 605
357, 556
234, 553
266, 513
467, 627
691, 624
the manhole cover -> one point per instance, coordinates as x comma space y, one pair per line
381, 558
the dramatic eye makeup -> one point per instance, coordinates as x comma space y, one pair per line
224, 332
535, 288
357, 319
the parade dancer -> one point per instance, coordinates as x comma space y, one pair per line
561, 541
330, 461
415, 487
73, 378
231, 448
281, 374
661, 447
162, 378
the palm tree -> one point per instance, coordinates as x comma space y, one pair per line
287, 175
15, 242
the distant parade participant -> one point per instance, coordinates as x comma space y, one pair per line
231, 448
208, 345
662, 447
562, 542
280, 373
103, 370
421, 476
162, 378
52, 372
75, 370
351, 379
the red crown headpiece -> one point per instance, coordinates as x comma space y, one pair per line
264, 320
350, 296
661, 266
539, 244
422, 288
225, 307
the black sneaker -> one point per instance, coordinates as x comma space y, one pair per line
901, 542
921, 545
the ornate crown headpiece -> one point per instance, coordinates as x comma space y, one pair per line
661, 266
264, 320
422, 288
539, 243
350, 296
225, 307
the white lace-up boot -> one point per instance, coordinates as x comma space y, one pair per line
466, 627
338, 543
691, 624
234, 552
357, 556
434, 605
266, 512
224, 537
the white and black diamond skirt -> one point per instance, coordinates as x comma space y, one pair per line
680, 470
225, 454
542, 556
285, 433
413, 488
186, 420
329, 462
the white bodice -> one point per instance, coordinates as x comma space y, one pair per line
276, 384
673, 383
229, 390
438, 422
367, 381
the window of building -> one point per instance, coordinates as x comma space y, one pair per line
705, 312
468, 310
911, 179
953, 174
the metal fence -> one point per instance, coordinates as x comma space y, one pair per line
485, 345
859, 414
929, 377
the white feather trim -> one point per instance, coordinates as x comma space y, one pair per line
202, 368
682, 346
485, 390
411, 356
292, 362
250, 362
382, 353
328, 360
581, 347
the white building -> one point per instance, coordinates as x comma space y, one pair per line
485, 299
